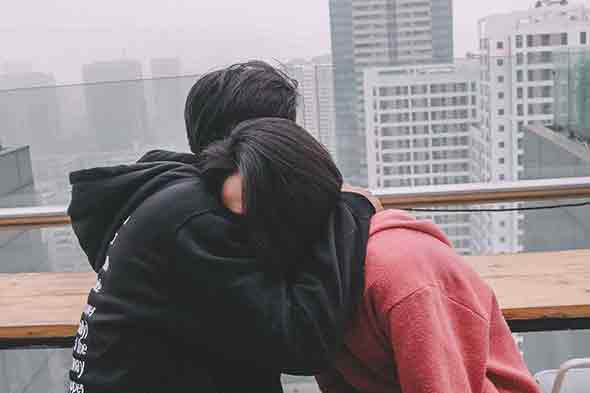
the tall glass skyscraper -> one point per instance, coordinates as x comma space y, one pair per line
372, 34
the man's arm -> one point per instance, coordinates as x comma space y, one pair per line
293, 325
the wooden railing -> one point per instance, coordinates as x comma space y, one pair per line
483, 193
39, 216
399, 197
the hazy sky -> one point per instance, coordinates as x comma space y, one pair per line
60, 35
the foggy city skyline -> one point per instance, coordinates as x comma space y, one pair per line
62, 36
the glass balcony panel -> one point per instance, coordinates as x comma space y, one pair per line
38, 250
109, 123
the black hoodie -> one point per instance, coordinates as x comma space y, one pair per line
180, 304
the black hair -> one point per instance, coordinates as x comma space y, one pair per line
290, 184
221, 99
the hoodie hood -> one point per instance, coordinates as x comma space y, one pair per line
398, 219
102, 198
168, 156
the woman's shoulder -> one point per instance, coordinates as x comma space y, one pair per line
404, 255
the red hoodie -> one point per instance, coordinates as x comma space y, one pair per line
427, 323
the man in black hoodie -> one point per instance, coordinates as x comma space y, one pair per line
181, 303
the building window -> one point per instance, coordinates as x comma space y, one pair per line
501, 161
583, 38
500, 45
531, 92
519, 110
502, 223
500, 62
500, 112
502, 239
519, 58
519, 76
563, 38
501, 145
501, 95
519, 93
529, 40
501, 79
519, 41
501, 128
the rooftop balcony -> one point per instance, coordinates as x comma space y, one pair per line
529, 235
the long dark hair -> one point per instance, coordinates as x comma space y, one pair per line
221, 99
290, 184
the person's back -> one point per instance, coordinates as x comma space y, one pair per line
127, 328
175, 276
155, 318
427, 322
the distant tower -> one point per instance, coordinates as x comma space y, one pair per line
315, 110
29, 110
168, 90
116, 105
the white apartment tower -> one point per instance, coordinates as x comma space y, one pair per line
378, 33
519, 52
418, 120
315, 109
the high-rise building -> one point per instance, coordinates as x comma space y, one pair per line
168, 91
116, 105
418, 120
379, 33
519, 52
315, 110
29, 110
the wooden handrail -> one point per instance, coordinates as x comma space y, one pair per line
484, 193
38, 216
402, 197
531, 287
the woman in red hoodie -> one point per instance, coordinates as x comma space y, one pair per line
426, 323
